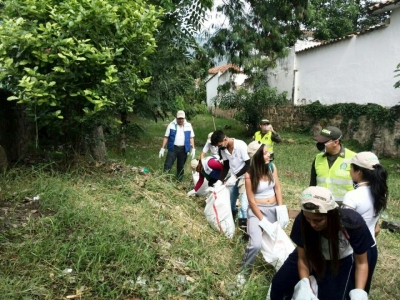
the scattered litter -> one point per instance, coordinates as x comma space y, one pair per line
140, 281
67, 271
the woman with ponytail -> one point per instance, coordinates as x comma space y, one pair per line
370, 194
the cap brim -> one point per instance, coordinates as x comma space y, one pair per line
322, 139
348, 161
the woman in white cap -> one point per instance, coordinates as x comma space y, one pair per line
264, 195
370, 194
332, 245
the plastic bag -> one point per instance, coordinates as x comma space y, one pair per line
202, 191
275, 251
218, 211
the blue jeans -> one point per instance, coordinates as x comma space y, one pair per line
179, 154
234, 194
244, 205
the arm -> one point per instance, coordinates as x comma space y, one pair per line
302, 265
377, 229
164, 142
202, 155
275, 136
361, 275
278, 191
192, 142
244, 169
250, 197
225, 170
313, 178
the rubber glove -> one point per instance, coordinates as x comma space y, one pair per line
231, 181
282, 216
358, 294
161, 154
218, 183
267, 227
191, 193
193, 153
303, 290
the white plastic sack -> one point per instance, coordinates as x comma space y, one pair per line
275, 251
202, 191
218, 211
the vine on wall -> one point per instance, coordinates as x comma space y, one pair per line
379, 115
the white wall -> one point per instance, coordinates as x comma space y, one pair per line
359, 69
211, 87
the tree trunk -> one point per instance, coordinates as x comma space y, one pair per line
97, 145
16, 132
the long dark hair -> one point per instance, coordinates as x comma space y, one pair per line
377, 180
312, 243
258, 169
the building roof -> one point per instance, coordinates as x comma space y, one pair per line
384, 6
349, 36
223, 69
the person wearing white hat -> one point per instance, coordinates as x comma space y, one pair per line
332, 245
369, 198
179, 139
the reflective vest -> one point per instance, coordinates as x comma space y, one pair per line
337, 178
266, 139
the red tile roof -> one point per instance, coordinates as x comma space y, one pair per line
360, 32
383, 6
223, 69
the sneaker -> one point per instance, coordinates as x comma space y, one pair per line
240, 280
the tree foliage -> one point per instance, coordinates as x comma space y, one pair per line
336, 18
397, 84
257, 29
71, 62
178, 60
250, 103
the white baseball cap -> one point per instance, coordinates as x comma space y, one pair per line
180, 114
364, 159
319, 197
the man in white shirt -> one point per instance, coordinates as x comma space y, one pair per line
235, 157
179, 138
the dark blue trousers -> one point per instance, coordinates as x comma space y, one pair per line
179, 154
329, 287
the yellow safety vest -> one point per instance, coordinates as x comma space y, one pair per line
266, 139
337, 179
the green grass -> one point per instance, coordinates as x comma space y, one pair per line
115, 228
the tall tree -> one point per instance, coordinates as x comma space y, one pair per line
69, 62
257, 29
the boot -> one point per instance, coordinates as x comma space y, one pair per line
242, 223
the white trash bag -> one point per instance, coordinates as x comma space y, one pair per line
218, 211
276, 249
202, 191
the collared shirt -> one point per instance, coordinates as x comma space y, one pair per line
180, 136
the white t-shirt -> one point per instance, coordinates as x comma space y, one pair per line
238, 157
361, 201
208, 147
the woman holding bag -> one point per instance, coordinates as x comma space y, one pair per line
332, 245
264, 194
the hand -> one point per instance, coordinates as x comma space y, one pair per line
267, 227
218, 184
231, 181
191, 193
282, 216
358, 294
303, 290
193, 153
161, 154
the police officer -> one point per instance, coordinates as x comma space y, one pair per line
268, 136
329, 169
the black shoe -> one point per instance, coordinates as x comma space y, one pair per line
242, 224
